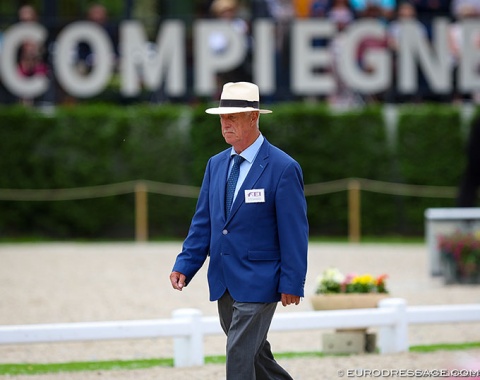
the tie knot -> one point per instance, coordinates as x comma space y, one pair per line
237, 159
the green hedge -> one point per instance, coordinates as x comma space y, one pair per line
92, 145
430, 151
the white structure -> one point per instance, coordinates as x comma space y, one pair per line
188, 327
439, 221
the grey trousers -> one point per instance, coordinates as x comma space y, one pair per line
246, 325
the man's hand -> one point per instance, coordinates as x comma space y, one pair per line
178, 280
288, 299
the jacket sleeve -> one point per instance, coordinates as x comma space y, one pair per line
196, 246
291, 211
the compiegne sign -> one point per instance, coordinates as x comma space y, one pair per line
139, 68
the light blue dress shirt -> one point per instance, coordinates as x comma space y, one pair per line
249, 155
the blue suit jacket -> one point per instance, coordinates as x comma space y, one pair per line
260, 251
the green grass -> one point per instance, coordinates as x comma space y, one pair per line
445, 347
37, 369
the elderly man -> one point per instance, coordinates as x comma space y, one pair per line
251, 219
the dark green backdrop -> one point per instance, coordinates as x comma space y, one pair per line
101, 144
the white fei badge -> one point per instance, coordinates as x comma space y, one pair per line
255, 196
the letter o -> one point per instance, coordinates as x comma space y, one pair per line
68, 76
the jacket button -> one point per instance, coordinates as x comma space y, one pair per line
225, 232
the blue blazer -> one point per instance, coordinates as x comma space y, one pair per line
260, 251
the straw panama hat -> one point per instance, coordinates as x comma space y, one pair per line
238, 97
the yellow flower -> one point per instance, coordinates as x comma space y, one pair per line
364, 279
333, 281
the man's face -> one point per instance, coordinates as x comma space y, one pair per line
239, 129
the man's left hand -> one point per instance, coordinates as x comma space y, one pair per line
288, 299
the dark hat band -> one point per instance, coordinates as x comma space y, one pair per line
238, 103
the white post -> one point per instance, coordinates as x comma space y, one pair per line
430, 238
394, 338
188, 350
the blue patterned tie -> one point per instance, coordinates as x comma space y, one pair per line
232, 182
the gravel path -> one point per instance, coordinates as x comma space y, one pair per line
65, 282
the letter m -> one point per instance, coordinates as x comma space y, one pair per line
148, 63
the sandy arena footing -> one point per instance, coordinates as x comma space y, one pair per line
75, 282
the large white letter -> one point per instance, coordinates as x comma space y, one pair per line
264, 55
468, 76
306, 58
12, 40
166, 60
379, 78
434, 62
68, 76
208, 61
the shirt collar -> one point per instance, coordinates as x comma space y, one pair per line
250, 153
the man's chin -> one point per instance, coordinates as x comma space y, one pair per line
229, 138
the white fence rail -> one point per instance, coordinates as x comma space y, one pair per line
188, 327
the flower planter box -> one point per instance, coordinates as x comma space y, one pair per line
455, 274
341, 301
344, 342
460, 257
335, 291
348, 341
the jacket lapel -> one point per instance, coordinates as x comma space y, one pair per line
259, 165
222, 179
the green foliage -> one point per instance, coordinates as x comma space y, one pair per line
430, 141
329, 147
429, 151
88, 146
99, 144
205, 141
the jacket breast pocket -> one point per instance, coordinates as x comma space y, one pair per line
263, 255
